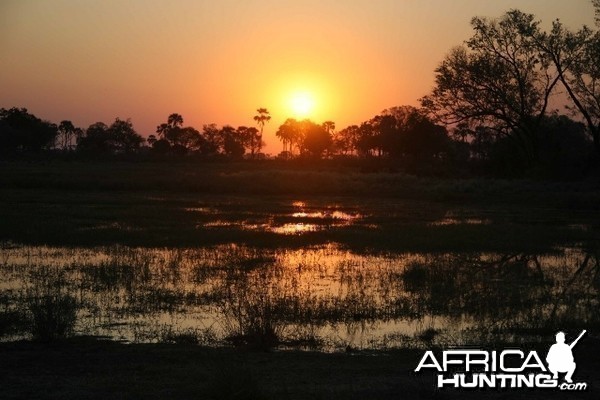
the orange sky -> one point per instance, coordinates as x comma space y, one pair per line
217, 61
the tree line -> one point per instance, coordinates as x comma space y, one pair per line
22, 133
397, 132
492, 110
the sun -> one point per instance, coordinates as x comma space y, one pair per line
301, 104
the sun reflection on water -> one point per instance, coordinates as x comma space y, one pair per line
300, 220
294, 229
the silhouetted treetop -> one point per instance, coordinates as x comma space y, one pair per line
576, 58
500, 79
21, 132
263, 116
305, 136
118, 138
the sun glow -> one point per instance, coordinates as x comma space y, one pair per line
301, 104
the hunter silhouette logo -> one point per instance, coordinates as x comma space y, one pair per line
560, 357
470, 368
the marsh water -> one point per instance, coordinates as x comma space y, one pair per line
324, 275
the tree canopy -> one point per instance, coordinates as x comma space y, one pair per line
118, 138
498, 86
22, 132
499, 79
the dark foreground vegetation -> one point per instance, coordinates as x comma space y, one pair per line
91, 369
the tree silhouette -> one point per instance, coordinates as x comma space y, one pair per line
21, 132
310, 138
499, 79
367, 140
212, 139
233, 141
96, 140
255, 141
329, 126
162, 130
289, 133
249, 138
345, 140
316, 139
124, 137
151, 140
187, 139
175, 120
67, 134
261, 118
408, 131
118, 138
66, 131
576, 58
176, 138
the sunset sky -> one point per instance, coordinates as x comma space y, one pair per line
218, 61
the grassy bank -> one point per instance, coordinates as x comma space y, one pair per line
284, 178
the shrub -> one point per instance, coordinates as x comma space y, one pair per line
52, 316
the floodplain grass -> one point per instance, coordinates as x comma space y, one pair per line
53, 316
316, 298
272, 177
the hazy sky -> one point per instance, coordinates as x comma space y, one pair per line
217, 61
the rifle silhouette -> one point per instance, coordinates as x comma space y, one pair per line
576, 340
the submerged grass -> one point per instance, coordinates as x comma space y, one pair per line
323, 297
53, 317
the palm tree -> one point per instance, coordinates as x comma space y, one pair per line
329, 126
284, 134
261, 118
175, 120
170, 129
162, 130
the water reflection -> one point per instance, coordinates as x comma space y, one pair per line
294, 218
457, 218
325, 296
294, 229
